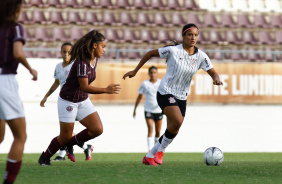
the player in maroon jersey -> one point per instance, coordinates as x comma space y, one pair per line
74, 103
11, 108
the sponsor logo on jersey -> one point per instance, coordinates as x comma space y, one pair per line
69, 108
165, 52
206, 61
171, 100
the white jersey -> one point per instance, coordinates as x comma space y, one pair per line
150, 89
181, 67
61, 73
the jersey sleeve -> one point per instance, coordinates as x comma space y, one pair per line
141, 89
19, 34
164, 52
56, 72
82, 69
205, 62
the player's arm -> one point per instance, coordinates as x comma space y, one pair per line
85, 87
19, 55
145, 58
215, 77
53, 88
136, 104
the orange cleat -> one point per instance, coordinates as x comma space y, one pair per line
149, 161
159, 157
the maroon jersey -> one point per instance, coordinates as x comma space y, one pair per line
71, 89
8, 35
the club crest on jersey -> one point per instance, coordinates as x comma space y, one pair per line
171, 100
193, 62
69, 108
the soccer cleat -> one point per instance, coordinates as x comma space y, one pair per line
149, 161
58, 158
69, 153
88, 152
42, 161
159, 157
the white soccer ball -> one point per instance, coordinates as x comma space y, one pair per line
213, 156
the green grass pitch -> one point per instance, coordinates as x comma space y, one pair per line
237, 168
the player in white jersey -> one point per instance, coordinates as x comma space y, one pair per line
153, 113
61, 73
183, 61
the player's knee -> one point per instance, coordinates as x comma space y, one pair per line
96, 132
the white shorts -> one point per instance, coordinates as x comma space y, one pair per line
11, 106
69, 112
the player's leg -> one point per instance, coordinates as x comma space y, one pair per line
87, 148
2, 130
14, 161
150, 126
158, 125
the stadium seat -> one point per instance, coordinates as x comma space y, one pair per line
73, 18
58, 34
177, 19
235, 56
27, 36
278, 36
194, 18
157, 4
38, 3
264, 37
268, 56
106, 4
111, 35
276, 21
177, 35
44, 54
142, 19
232, 38
75, 33
91, 18
129, 36
54, 3
273, 5
125, 18
210, 20
131, 55
41, 34
252, 56
24, 18
227, 20
191, 5
38, 17
260, 21
56, 17
244, 21
173, 5
159, 19
214, 37
163, 36
146, 36
108, 18
123, 4
202, 38
29, 54
248, 37
140, 4
71, 3
88, 4
26, 4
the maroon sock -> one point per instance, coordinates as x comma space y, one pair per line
52, 149
79, 138
12, 170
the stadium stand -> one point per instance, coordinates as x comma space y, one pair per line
224, 24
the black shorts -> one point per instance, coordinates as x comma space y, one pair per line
170, 100
154, 116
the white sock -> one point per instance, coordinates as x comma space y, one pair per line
154, 150
84, 147
150, 142
156, 139
165, 142
62, 153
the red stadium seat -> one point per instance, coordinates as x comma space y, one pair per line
248, 37
194, 18
71, 3
58, 34
190, 4
140, 4
227, 20
56, 17
157, 4
268, 56
159, 19
260, 21
26, 4
38, 17
235, 56
27, 36
210, 20
253, 56
126, 19
106, 4
91, 18
55, 3
173, 5
129, 36
177, 19
265, 38
146, 36
29, 54
24, 18
38, 3
214, 37
163, 36
75, 33
41, 34
73, 18
232, 38
88, 4
244, 21
143, 19
111, 35
276, 21
44, 54
124, 4
278, 36
108, 18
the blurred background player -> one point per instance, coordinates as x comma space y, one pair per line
11, 107
153, 113
61, 73
74, 103
183, 62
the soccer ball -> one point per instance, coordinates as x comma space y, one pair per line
213, 156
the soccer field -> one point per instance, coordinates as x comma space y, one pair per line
128, 168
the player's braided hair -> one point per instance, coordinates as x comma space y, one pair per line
8, 9
83, 47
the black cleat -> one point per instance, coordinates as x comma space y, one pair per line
58, 158
69, 151
88, 152
42, 161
